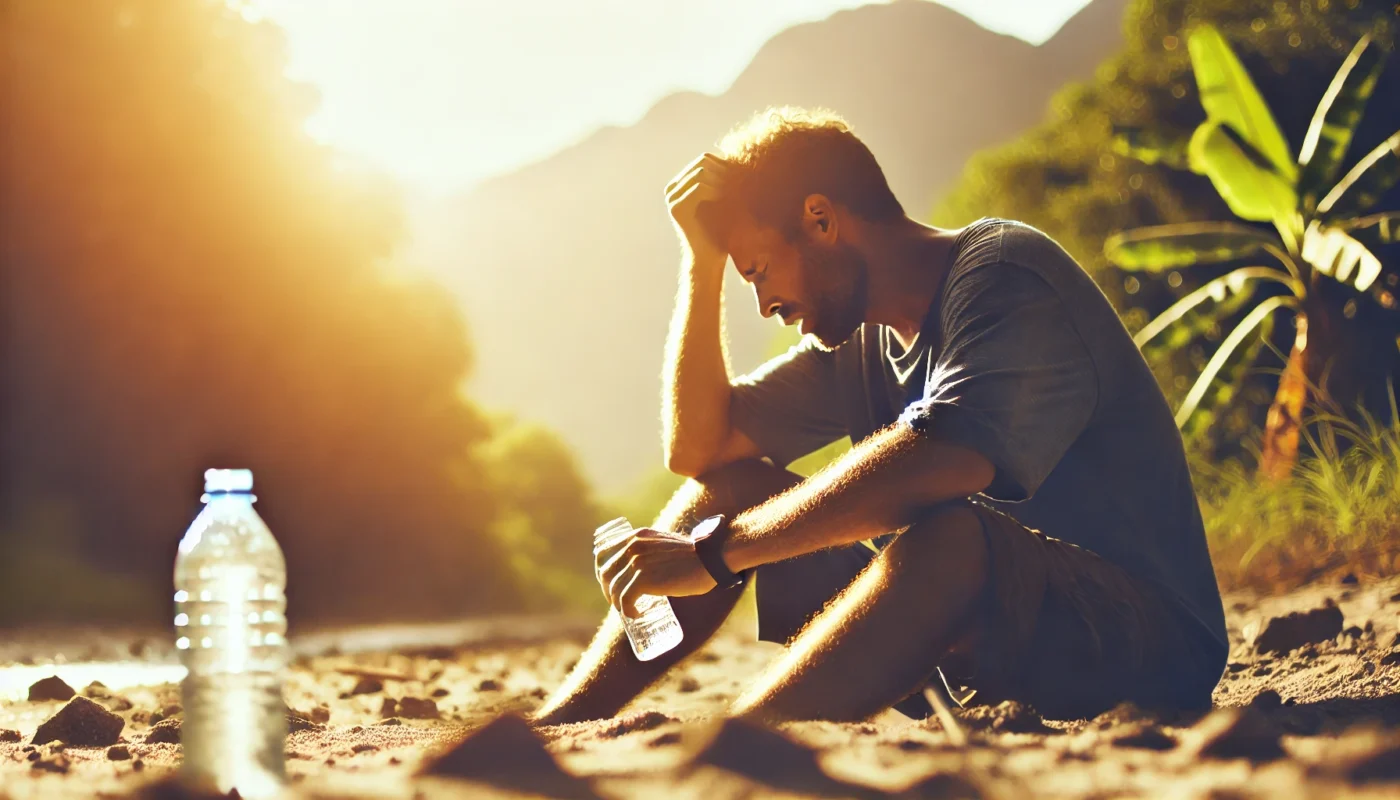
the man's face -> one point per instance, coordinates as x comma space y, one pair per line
822, 287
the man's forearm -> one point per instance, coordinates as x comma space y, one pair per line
881, 485
695, 393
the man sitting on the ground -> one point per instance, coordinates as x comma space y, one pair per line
1016, 510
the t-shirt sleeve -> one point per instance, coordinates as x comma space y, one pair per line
1013, 382
791, 405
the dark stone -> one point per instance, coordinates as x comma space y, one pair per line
116, 703
118, 752
1282, 634
297, 721
170, 710
389, 708
418, 708
390, 721
1388, 660
440, 692
1230, 733
489, 685
1352, 632
507, 753
167, 731
81, 722
1349, 579
770, 757
57, 762
664, 739
367, 686
689, 684
364, 747
9, 736
50, 688
97, 690
321, 714
1144, 736
1267, 700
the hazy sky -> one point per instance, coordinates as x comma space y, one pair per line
442, 93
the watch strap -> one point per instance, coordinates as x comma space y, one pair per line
710, 549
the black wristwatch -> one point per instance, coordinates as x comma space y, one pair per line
708, 535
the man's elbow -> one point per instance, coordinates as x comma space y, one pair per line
685, 463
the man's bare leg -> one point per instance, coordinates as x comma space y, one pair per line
608, 676
885, 634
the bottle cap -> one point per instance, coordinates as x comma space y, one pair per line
228, 480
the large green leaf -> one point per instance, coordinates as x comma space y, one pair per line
1252, 191
1152, 145
1364, 184
1251, 321
1162, 247
1229, 95
1335, 119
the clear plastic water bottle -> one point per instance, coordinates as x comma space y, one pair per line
231, 627
655, 630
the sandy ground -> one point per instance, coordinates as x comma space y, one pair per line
1322, 720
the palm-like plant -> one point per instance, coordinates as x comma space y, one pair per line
1322, 238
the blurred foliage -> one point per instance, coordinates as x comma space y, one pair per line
190, 281
1065, 177
548, 514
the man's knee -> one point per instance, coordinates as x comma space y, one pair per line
949, 531
728, 490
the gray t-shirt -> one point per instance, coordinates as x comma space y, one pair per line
1024, 361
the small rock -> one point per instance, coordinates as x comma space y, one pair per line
689, 684
33, 755
364, 747
1282, 634
118, 752
321, 714
1388, 660
1267, 700
138, 765
297, 721
50, 688
489, 685
1352, 632
116, 703
390, 721
367, 686
97, 690
394, 761
1237, 733
418, 708
629, 723
168, 711
1144, 736
141, 716
440, 692
57, 762
1349, 579
81, 722
389, 708
167, 731
664, 738
9, 736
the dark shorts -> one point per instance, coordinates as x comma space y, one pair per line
1061, 628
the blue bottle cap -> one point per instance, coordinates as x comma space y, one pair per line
228, 480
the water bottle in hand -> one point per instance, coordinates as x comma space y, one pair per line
230, 604
655, 630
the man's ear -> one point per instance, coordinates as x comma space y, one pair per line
819, 219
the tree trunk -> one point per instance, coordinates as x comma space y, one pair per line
1282, 426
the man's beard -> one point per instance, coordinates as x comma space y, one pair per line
838, 285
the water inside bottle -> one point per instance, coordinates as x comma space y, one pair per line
655, 630
230, 603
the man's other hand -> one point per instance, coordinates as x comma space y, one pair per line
698, 184
649, 562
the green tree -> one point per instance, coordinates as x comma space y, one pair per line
1066, 178
1322, 227
190, 281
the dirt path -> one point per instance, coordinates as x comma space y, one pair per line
1318, 721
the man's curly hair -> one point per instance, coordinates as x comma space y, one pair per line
784, 154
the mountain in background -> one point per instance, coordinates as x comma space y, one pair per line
567, 268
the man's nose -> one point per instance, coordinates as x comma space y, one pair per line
767, 307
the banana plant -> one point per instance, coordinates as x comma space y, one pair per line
1321, 228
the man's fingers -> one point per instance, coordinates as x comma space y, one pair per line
627, 598
709, 161
699, 193
619, 581
701, 175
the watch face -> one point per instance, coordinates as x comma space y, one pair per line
705, 527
